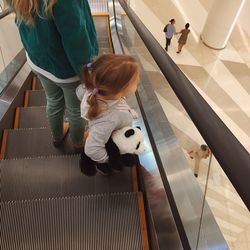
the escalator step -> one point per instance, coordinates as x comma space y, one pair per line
102, 34
103, 44
103, 39
52, 177
33, 117
104, 51
34, 142
36, 98
101, 26
38, 85
107, 222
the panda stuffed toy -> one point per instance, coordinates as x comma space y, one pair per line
122, 148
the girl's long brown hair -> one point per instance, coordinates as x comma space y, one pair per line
110, 74
27, 9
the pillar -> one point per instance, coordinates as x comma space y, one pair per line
220, 22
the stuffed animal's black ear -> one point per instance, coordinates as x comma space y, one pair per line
129, 132
139, 127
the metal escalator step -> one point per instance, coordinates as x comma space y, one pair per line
102, 222
101, 26
36, 98
104, 51
38, 85
34, 142
103, 44
103, 39
52, 177
102, 33
33, 117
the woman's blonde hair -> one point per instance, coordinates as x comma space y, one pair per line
110, 74
26, 10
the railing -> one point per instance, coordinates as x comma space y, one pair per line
4, 12
230, 156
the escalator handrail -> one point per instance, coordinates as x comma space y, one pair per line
5, 13
230, 153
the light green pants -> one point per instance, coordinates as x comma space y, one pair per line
60, 96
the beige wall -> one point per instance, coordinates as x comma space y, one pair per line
244, 18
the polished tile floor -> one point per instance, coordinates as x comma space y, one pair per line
223, 79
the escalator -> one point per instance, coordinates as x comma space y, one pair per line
46, 203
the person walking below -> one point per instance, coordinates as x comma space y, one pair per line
169, 32
59, 38
183, 38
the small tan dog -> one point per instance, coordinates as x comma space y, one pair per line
198, 154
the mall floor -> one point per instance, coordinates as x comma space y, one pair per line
222, 77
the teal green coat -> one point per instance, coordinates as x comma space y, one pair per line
63, 43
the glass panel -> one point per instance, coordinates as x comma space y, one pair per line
152, 77
221, 196
10, 47
1, 6
230, 212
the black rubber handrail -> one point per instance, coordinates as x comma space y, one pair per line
232, 156
5, 13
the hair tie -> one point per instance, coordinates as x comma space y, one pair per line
89, 67
95, 91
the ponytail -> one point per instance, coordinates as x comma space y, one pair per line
93, 107
92, 101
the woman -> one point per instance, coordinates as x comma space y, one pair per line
169, 32
59, 38
183, 38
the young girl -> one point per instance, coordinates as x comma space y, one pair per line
108, 80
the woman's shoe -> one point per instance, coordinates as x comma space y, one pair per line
57, 142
